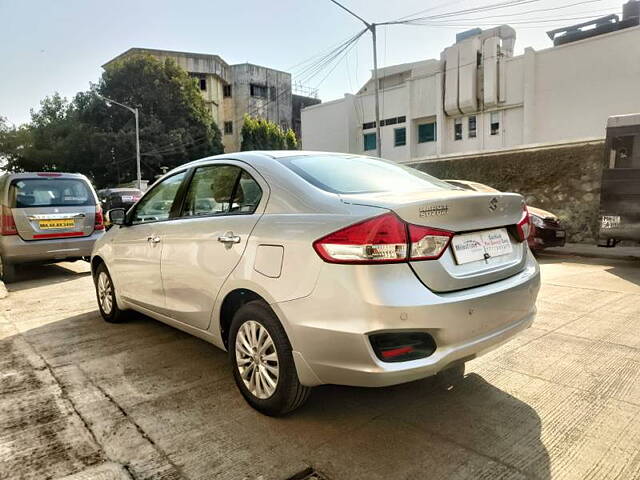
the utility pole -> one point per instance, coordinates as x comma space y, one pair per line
109, 102
372, 28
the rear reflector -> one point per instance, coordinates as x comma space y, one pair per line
402, 346
7, 225
41, 236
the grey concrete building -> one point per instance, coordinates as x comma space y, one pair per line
233, 91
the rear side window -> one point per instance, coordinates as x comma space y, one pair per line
50, 192
210, 190
220, 190
356, 174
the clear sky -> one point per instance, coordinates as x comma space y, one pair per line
59, 45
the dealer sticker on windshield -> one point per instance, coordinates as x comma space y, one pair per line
472, 247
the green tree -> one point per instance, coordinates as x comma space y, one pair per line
260, 134
88, 136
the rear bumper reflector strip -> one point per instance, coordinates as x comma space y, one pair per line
58, 235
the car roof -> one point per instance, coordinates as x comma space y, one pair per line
46, 175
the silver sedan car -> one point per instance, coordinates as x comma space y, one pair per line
313, 268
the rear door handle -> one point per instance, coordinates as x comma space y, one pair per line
229, 238
153, 239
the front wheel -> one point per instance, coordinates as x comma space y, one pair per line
263, 366
106, 295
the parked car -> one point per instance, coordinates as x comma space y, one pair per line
320, 268
46, 217
547, 231
118, 197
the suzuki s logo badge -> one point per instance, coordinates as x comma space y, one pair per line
434, 210
493, 204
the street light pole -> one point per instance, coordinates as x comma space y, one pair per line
138, 172
372, 28
376, 90
109, 101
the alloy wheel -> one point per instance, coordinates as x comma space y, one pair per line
257, 359
105, 293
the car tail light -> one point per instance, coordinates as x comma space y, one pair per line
428, 243
49, 174
99, 223
524, 225
381, 239
8, 225
402, 346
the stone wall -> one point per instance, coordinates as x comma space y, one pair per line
564, 179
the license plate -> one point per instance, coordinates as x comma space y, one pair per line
60, 223
472, 247
127, 198
560, 234
610, 221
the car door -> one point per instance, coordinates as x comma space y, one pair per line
222, 204
137, 248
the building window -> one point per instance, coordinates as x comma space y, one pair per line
472, 126
274, 95
369, 141
259, 91
226, 91
392, 121
457, 129
228, 128
203, 83
495, 123
399, 137
427, 132
368, 125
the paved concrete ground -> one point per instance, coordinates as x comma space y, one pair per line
83, 399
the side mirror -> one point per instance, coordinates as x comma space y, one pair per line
116, 216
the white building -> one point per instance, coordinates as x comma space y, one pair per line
479, 97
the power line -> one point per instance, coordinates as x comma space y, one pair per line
537, 10
485, 8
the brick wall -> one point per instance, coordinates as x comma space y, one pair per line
563, 179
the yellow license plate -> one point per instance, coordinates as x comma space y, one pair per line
63, 223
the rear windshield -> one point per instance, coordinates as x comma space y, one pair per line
50, 192
354, 174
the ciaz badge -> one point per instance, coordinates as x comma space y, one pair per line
434, 210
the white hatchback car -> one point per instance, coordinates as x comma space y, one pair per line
314, 268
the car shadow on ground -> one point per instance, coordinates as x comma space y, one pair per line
623, 268
34, 275
179, 390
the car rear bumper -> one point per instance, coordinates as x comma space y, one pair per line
329, 329
16, 250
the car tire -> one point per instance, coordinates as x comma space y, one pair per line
106, 296
450, 377
255, 327
7, 271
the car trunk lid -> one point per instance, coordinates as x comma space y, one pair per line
464, 213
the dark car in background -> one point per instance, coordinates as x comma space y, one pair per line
111, 198
547, 230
